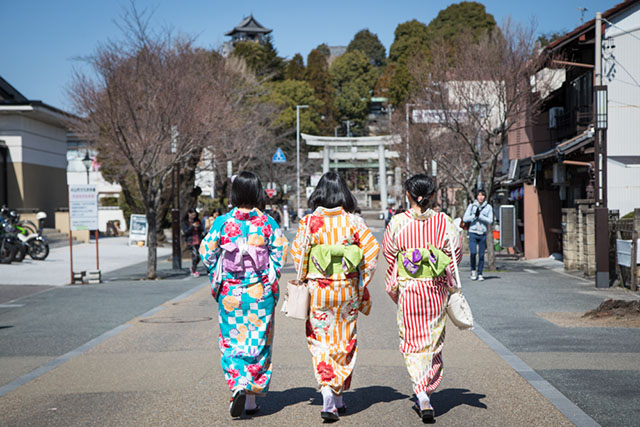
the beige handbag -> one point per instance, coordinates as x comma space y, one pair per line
296, 303
457, 306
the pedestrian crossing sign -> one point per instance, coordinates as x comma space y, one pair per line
279, 156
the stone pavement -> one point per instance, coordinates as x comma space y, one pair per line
114, 254
162, 367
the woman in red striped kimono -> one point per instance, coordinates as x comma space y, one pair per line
338, 259
419, 279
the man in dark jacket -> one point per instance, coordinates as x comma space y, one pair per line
193, 234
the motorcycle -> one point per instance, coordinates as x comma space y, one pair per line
30, 237
8, 248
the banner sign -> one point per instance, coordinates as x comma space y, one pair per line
83, 207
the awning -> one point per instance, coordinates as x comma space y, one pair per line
566, 147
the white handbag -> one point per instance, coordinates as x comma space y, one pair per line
458, 308
296, 303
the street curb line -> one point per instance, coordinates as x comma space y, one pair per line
19, 382
552, 394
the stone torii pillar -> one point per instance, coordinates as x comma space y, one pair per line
382, 179
365, 149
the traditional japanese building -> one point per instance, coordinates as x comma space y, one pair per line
247, 30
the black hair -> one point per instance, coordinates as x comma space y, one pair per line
191, 210
332, 191
247, 191
420, 188
480, 191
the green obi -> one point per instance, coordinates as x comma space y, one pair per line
422, 263
334, 259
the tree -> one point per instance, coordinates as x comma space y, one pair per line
154, 104
295, 68
409, 37
367, 42
467, 17
287, 95
318, 77
262, 58
353, 77
477, 93
414, 41
324, 49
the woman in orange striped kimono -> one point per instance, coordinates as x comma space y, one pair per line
417, 248
338, 258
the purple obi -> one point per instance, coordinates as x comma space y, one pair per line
239, 257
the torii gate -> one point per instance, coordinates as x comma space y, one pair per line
363, 148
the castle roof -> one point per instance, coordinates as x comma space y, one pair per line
249, 25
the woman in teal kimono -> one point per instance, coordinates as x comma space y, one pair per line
243, 252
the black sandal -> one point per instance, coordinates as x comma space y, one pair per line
343, 409
329, 417
252, 411
427, 415
237, 403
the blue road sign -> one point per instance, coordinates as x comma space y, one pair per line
279, 157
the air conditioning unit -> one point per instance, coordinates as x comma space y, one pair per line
508, 226
554, 114
559, 174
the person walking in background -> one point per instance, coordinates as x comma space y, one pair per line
479, 216
417, 248
338, 259
192, 231
244, 252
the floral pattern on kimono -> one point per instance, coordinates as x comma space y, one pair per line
244, 281
335, 300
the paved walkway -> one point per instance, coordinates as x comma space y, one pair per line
162, 367
114, 254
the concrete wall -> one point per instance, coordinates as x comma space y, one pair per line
37, 163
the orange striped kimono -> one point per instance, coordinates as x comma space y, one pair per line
336, 299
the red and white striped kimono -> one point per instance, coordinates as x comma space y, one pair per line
421, 301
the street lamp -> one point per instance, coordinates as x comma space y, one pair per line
298, 107
87, 164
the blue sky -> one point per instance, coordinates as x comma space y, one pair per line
42, 39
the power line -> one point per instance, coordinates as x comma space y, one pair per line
622, 29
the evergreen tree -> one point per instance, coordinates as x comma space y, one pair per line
295, 68
353, 77
367, 42
324, 49
262, 58
286, 95
317, 75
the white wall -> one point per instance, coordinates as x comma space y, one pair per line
623, 187
33, 141
621, 73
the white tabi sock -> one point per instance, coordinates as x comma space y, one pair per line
250, 403
423, 399
338, 401
328, 399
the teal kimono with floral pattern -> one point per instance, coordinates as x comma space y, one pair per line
244, 253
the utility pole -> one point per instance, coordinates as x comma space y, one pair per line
176, 248
600, 121
298, 107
